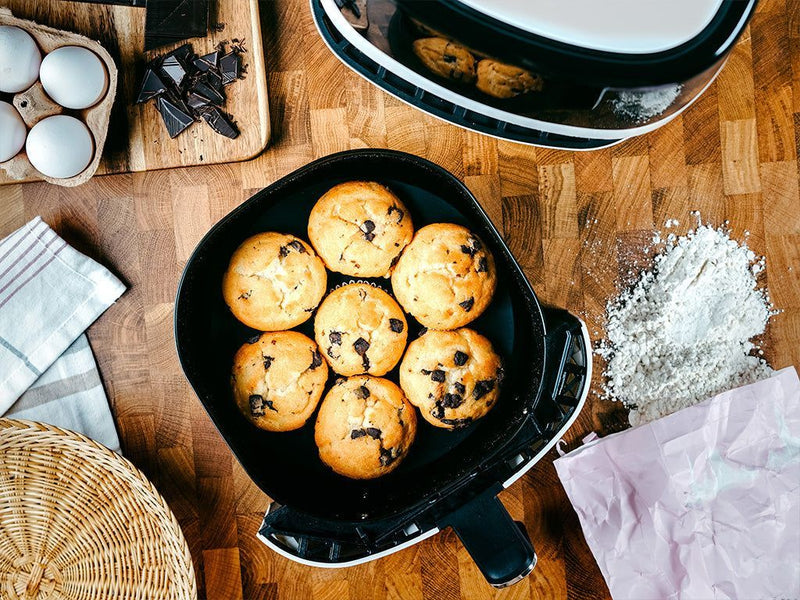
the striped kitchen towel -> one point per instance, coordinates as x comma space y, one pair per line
49, 294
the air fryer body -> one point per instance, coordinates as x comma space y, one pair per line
542, 78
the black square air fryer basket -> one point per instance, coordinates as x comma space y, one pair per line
448, 478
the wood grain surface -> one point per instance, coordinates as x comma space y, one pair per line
577, 222
137, 139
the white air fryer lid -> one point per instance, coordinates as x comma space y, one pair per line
625, 26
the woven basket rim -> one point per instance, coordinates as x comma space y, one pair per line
123, 465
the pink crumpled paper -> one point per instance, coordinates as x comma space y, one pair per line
703, 503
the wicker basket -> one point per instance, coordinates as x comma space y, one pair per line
79, 522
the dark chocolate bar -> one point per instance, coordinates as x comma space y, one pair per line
170, 21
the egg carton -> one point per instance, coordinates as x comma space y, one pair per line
34, 105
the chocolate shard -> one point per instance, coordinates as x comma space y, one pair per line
201, 87
175, 119
172, 68
219, 122
230, 67
195, 100
214, 79
207, 61
152, 86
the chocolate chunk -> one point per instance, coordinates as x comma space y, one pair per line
244, 295
330, 352
316, 359
297, 245
476, 244
460, 358
202, 87
374, 433
229, 67
422, 331
437, 375
335, 337
457, 423
254, 339
438, 411
268, 362
467, 250
387, 457
467, 304
460, 387
369, 236
367, 226
452, 401
357, 433
283, 251
207, 61
400, 212
362, 392
195, 101
396, 325
173, 69
219, 122
361, 346
175, 119
152, 86
395, 259
449, 58
482, 388
257, 405
483, 265
365, 362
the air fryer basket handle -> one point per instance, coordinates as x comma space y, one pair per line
499, 546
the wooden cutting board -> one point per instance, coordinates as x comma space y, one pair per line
137, 139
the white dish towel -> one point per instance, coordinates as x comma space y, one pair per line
49, 294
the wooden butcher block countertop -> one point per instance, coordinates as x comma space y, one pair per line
574, 221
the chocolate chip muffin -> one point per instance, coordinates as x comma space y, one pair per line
445, 277
359, 228
446, 59
278, 379
453, 377
274, 281
365, 427
505, 81
360, 329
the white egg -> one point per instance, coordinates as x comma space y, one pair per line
74, 77
12, 132
19, 59
60, 146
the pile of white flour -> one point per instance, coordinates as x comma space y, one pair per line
683, 332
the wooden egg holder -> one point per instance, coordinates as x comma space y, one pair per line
34, 105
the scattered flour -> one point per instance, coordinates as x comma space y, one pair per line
683, 332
